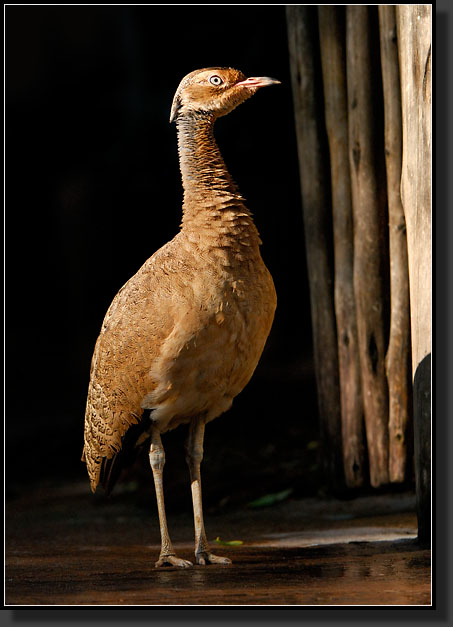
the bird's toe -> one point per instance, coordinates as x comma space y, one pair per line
173, 560
205, 558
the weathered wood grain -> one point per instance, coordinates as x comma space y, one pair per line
314, 175
414, 37
333, 57
398, 353
369, 244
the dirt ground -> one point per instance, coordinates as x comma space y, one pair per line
65, 547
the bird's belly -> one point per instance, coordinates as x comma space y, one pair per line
200, 373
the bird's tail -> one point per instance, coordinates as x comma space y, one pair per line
131, 445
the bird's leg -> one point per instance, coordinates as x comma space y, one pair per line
157, 460
194, 449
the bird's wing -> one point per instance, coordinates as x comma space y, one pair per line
136, 324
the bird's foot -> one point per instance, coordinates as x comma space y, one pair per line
172, 560
205, 557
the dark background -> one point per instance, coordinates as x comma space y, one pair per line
40, 412
93, 189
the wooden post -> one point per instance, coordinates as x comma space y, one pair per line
313, 163
414, 37
398, 366
333, 57
369, 243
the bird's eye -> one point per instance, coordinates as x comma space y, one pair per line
215, 80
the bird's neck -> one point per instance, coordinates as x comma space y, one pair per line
203, 170
212, 202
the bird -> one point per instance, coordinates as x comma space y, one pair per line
182, 338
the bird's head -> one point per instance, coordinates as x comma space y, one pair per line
215, 91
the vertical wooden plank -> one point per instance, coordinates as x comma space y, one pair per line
368, 240
398, 366
332, 24
313, 163
414, 37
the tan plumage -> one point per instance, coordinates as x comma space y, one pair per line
183, 336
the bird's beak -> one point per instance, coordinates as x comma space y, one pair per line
258, 81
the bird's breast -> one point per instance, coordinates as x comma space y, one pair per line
213, 350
